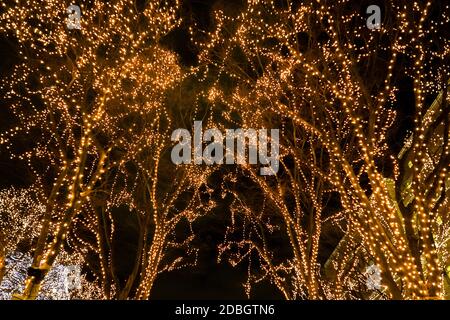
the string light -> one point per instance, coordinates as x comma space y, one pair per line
91, 104
301, 67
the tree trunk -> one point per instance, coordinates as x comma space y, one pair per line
150, 272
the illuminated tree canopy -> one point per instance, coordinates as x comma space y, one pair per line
363, 116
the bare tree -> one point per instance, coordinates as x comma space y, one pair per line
330, 84
90, 109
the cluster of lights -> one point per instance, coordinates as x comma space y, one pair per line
302, 67
93, 104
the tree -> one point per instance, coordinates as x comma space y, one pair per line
331, 85
92, 126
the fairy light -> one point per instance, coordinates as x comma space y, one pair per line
100, 109
341, 122
93, 102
